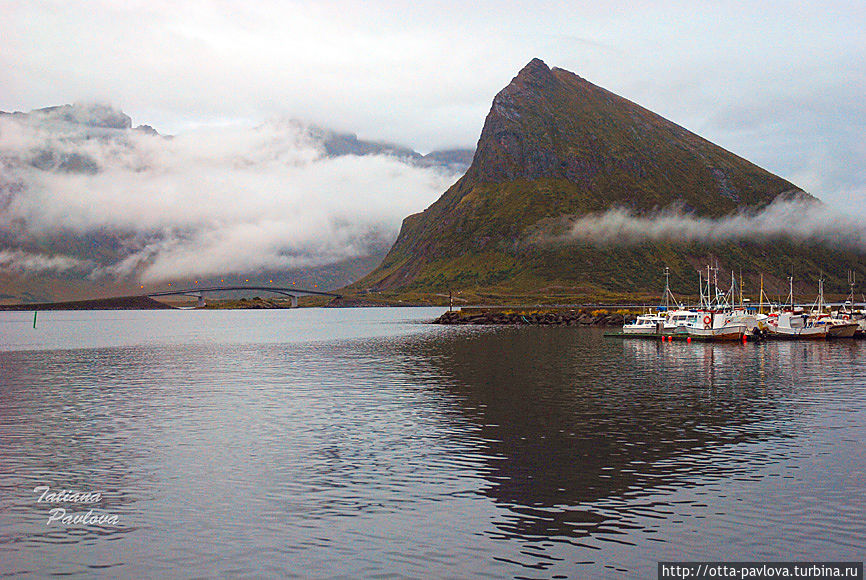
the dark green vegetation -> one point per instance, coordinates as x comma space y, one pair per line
555, 147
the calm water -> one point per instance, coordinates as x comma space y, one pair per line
360, 442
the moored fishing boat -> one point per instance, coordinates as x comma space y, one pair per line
790, 325
714, 319
836, 327
645, 324
704, 324
653, 323
847, 311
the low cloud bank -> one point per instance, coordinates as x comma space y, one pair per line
231, 200
792, 219
16, 261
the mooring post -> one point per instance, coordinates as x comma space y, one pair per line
294, 301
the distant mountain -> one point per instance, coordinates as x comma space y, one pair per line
89, 115
554, 148
455, 159
56, 153
339, 144
333, 143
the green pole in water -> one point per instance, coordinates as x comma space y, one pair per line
35, 312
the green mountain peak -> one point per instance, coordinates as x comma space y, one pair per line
555, 147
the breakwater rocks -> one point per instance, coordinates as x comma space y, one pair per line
536, 316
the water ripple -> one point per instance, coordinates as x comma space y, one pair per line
376, 446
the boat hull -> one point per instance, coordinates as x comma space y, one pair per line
845, 330
811, 333
728, 332
642, 329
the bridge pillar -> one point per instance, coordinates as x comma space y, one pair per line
294, 301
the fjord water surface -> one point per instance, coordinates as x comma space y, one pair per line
363, 442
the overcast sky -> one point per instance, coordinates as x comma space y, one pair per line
780, 83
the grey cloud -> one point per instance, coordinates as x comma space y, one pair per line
792, 219
18, 261
206, 202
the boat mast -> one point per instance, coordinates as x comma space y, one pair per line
852, 281
761, 306
732, 292
818, 307
742, 301
717, 297
701, 289
821, 292
668, 296
665, 300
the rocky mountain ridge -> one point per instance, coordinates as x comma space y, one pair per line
555, 148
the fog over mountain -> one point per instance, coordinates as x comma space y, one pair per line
794, 219
85, 194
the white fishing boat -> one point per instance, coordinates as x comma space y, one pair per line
792, 323
645, 324
846, 312
714, 319
789, 325
836, 327
705, 324
653, 323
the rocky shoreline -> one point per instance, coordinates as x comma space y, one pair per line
543, 317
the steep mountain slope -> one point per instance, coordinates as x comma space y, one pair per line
555, 147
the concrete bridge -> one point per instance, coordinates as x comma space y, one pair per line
146, 301
198, 292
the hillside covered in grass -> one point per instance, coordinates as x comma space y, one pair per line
555, 148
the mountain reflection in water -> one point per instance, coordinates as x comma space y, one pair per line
566, 424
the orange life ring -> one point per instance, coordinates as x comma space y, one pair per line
845, 317
707, 319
